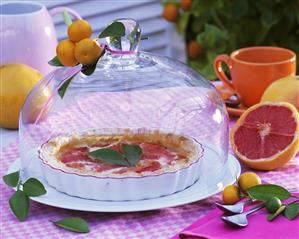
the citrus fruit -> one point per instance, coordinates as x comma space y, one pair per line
194, 49
79, 30
266, 136
231, 194
65, 51
186, 4
171, 13
16, 81
273, 204
248, 180
87, 51
284, 89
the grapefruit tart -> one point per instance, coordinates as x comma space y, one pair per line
121, 164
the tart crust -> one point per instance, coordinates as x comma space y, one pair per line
188, 150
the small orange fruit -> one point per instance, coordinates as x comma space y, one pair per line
186, 4
231, 194
248, 180
171, 13
194, 49
266, 136
65, 53
87, 51
79, 30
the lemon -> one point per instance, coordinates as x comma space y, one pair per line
16, 81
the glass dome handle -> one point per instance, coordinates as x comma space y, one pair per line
128, 43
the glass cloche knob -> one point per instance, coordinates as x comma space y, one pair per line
130, 41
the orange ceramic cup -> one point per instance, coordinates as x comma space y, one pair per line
253, 69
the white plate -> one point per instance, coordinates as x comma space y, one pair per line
194, 193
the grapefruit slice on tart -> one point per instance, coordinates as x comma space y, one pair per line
266, 136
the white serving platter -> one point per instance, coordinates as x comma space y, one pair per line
198, 191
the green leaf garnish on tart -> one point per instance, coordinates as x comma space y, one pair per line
130, 155
108, 155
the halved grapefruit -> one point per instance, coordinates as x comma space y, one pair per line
266, 136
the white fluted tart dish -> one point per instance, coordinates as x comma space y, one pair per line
121, 164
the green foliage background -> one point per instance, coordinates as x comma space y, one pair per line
222, 26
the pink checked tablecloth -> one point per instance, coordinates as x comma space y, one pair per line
152, 224
140, 225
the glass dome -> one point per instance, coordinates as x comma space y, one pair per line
129, 89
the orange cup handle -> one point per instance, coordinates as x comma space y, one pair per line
220, 72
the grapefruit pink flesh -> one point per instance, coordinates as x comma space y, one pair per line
267, 130
266, 135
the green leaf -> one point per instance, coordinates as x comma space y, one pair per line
212, 37
115, 29
12, 179
89, 69
291, 211
268, 18
175, 2
109, 156
55, 62
197, 24
62, 89
34, 188
240, 8
19, 204
263, 192
75, 224
67, 18
205, 69
132, 153
183, 22
201, 6
271, 217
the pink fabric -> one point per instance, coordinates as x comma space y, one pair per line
212, 227
140, 225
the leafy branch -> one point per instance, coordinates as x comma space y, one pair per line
19, 202
272, 27
115, 29
272, 195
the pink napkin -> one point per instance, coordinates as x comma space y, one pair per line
212, 227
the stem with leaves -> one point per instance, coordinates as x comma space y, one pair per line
264, 192
19, 202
